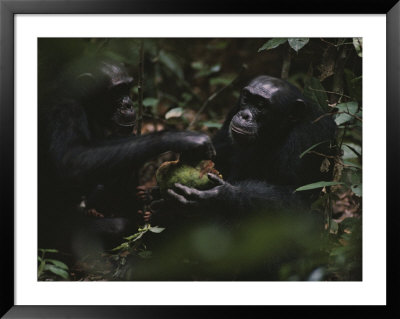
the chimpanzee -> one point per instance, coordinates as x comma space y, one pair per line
86, 147
258, 151
252, 222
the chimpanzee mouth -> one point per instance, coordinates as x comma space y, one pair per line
127, 124
124, 121
240, 131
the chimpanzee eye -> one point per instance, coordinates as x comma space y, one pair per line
245, 96
119, 91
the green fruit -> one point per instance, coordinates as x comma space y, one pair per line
194, 176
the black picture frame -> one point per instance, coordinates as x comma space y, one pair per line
8, 10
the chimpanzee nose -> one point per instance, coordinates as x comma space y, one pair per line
246, 115
126, 110
127, 103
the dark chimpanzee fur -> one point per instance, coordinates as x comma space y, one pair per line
86, 147
259, 148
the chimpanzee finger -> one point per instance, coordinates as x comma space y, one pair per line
216, 178
187, 191
140, 194
181, 199
147, 216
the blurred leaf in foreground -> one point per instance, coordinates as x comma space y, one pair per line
273, 43
297, 43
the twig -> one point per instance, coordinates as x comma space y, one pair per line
214, 95
336, 45
341, 94
338, 78
344, 133
336, 113
286, 64
321, 154
140, 88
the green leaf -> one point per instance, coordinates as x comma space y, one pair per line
140, 235
343, 118
224, 79
197, 65
352, 164
208, 71
58, 263
297, 43
132, 236
357, 189
317, 185
356, 149
357, 42
175, 112
156, 229
41, 268
310, 148
122, 246
57, 271
172, 62
273, 43
350, 107
150, 101
212, 124
48, 250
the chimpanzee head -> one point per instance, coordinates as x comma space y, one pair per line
267, 111
104, 89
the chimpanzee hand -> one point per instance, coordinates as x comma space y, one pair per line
147, 194
197, 144
146, 215
189, 196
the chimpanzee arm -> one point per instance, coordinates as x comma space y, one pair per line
239, 197
78, 156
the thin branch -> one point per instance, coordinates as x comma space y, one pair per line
320, 154
214, 95
344, 133
336, 113
140, 88
340, 94
286, 64
336, 45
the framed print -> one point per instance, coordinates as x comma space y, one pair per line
158, 154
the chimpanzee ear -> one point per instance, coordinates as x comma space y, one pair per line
297, 110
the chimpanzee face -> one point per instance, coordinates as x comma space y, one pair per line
124, 114
107, 97
268, 107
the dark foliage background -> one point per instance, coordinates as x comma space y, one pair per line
192, 84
